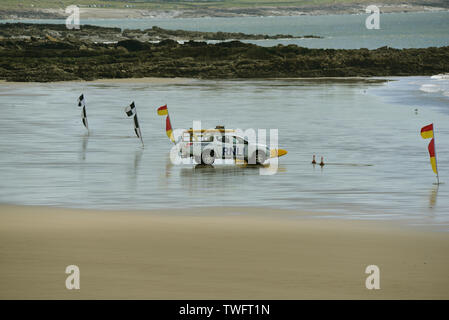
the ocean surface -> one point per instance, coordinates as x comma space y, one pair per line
368, 132
398, 30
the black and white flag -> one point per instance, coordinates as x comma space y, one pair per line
131, 111
82, 103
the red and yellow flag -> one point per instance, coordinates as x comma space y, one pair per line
168, 129
162, 111
433, 160
427, 131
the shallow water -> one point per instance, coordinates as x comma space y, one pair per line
398, 30
368, 132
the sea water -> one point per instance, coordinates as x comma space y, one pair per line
368, 131
346, 31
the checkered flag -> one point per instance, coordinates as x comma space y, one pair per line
82, 103
132, 111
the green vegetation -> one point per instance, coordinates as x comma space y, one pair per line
167, 4
104, 9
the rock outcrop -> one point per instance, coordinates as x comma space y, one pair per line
104, 34
68, 56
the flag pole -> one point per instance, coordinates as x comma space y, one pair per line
85, 117
168, 115
138, 126
140, 132
436, 158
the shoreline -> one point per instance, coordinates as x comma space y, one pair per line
81, 57
112, 53
159, 255
180, 80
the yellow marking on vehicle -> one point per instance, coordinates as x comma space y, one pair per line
277, 153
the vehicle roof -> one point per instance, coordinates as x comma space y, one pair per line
206, 132
210, 131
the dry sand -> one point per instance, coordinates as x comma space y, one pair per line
175, 254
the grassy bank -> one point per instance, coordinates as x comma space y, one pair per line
120, 9
155, 4
175, 4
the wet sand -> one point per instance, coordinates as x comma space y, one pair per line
177, 80
154, 80
187, 254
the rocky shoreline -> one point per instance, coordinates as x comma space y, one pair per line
53, 58
28, 31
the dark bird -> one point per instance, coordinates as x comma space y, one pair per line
322, 162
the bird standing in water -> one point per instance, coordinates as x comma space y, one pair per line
313, 160
322, 161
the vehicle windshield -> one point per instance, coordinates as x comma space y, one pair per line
207, 138
239, 140
230, 139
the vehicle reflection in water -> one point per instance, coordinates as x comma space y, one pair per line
209, 178
215, 178
168, 166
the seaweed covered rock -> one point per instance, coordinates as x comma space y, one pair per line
62, 57
132, 45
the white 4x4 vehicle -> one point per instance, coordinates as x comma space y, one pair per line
207, 145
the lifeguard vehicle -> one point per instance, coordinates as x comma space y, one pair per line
207, 145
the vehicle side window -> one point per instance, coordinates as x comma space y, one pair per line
207, 138
186, 137
238, 140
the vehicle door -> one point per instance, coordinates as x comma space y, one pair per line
227, 147
239, 148
218, 146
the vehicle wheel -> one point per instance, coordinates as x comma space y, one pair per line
208, 157
198, 160
260, 157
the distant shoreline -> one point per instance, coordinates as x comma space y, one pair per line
130, 13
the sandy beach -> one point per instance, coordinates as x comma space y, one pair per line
214, 254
